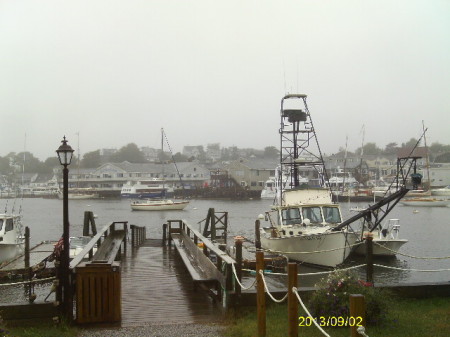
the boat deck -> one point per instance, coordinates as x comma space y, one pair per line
37, 254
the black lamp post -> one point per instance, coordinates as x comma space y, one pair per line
65, 153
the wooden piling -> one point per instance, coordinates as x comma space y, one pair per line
357, 314
369, 258
238, 245
27, 247
257, 235
292, 301
164, 238
260, 295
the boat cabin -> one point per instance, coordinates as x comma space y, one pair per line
309, 215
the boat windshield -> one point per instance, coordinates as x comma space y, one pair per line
313, 214
291, 216
331, 214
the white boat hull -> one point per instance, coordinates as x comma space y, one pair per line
425, 202
159, 206
335, 246
9, 252
379, 247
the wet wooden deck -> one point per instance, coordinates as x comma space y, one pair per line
157, 288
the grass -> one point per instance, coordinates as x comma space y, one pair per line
408, 317
41, 330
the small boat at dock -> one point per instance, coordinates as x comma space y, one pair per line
12, 241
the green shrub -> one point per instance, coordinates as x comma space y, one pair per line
332, 298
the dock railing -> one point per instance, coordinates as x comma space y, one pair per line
205, 261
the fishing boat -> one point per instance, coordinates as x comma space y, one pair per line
162, 204
386, 240
12, 241
425, 202
303, 217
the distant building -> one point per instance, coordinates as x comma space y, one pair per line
193, 151
150, 153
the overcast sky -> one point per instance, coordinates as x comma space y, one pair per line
215, 71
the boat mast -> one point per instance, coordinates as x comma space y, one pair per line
162, 159
427, 156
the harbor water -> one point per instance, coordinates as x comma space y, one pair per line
426, 228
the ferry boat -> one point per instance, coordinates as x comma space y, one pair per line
12, 241
146, 189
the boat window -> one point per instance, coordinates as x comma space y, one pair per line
331, 214
1, 224
313, 214
291, 216
9, 225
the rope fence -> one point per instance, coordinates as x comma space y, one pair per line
28, 282
412, 256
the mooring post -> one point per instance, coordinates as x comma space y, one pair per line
369, 258
133, 233
164, 238
257, 234
260, 295
238, 245
292, 301
27, 247
357, 314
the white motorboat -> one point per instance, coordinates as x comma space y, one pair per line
146, 189
269, 190
80, 194
303, 218
386, 241
159, 205
12, 241
441, 192
425, 202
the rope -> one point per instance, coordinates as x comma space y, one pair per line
26, 282
362, 331
311, 274
267, 289
412, 256
295, 291
313, 252
418, 270
237, 279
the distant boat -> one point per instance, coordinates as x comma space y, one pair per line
159, 205
441, 192
80, 194
146, 189
12, 241
425, 202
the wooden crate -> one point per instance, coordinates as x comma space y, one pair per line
98, 293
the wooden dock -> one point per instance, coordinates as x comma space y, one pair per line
38, 254
157, 288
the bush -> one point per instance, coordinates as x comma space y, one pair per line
332, 298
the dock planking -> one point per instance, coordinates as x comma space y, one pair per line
37, 254
157, 288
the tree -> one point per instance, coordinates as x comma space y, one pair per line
369, 149
29, 163
179, 158
91, 159
391, 148
271, 152
410, 143
129, 153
